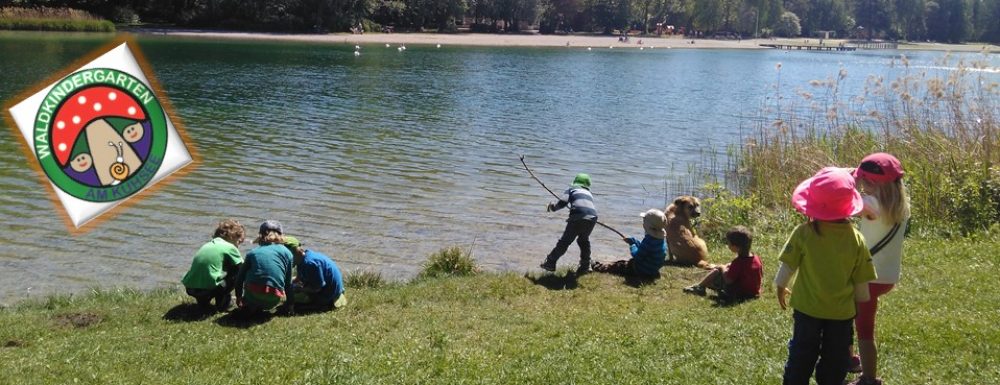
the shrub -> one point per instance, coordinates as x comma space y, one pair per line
451, 261
364, 279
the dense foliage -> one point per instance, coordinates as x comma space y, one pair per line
915, 20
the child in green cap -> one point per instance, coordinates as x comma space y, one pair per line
318, 282
581, 222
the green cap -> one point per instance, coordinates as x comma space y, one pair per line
291, 242
582, 180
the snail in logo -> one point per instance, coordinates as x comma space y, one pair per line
119, 170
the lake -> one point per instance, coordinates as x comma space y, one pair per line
380, 159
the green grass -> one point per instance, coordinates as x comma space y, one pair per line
938, 326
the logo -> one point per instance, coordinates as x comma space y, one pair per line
100, 134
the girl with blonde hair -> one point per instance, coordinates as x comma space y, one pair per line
883, 221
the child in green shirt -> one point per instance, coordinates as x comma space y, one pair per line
834, 267
214, 267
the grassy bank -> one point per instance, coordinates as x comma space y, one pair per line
938, 326
944, 125
52, 19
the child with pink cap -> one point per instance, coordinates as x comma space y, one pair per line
883, 222
833, 266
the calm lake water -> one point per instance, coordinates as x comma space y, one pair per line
381, 159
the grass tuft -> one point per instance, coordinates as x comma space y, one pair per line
364, 279
451, 261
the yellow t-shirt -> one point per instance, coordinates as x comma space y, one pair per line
829, 264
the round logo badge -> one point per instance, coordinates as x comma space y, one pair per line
106, 135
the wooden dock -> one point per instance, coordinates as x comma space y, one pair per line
811, 47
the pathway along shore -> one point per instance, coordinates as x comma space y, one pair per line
518, 40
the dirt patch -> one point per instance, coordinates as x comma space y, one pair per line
78, 320
14, 344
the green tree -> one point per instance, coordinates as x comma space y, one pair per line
874, 15
610, 14
827, 15
788, 25
948, 20
985, 20
910, 19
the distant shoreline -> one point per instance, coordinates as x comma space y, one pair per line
519, 40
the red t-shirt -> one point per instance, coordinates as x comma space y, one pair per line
745, 275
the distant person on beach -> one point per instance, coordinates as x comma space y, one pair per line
883, 222
834, 267
265, 280
319, 286
739, 279
581, 222
648, 255
214, 267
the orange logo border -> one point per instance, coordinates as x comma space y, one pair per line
168, 109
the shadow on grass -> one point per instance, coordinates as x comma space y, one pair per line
726, 301
638, 281
552, 281
188, 312
243, 319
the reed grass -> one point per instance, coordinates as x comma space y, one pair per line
942, 125
52, 19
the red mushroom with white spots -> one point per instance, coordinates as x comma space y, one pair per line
83, 113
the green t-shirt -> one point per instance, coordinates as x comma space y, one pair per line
829, 264
209, 264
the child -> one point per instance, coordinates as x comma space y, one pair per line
739, 279
582, 218
883, 222
318, 284
213, 269
834, 268
266, 276
647, 256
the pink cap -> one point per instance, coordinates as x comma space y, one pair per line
828, 195
879, 168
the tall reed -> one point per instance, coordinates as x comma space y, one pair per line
52, 19
942, 125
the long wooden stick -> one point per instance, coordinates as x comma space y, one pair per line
558, 198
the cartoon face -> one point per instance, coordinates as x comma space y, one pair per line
133, 133
82, 162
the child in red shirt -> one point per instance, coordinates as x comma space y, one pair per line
739, 279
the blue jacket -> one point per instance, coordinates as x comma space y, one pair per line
649, 255
317, 271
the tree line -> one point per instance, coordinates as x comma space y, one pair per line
915, 20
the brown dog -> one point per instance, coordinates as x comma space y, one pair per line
685, 247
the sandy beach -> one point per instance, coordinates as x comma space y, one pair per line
526, 40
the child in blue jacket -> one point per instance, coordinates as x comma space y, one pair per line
648, 256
